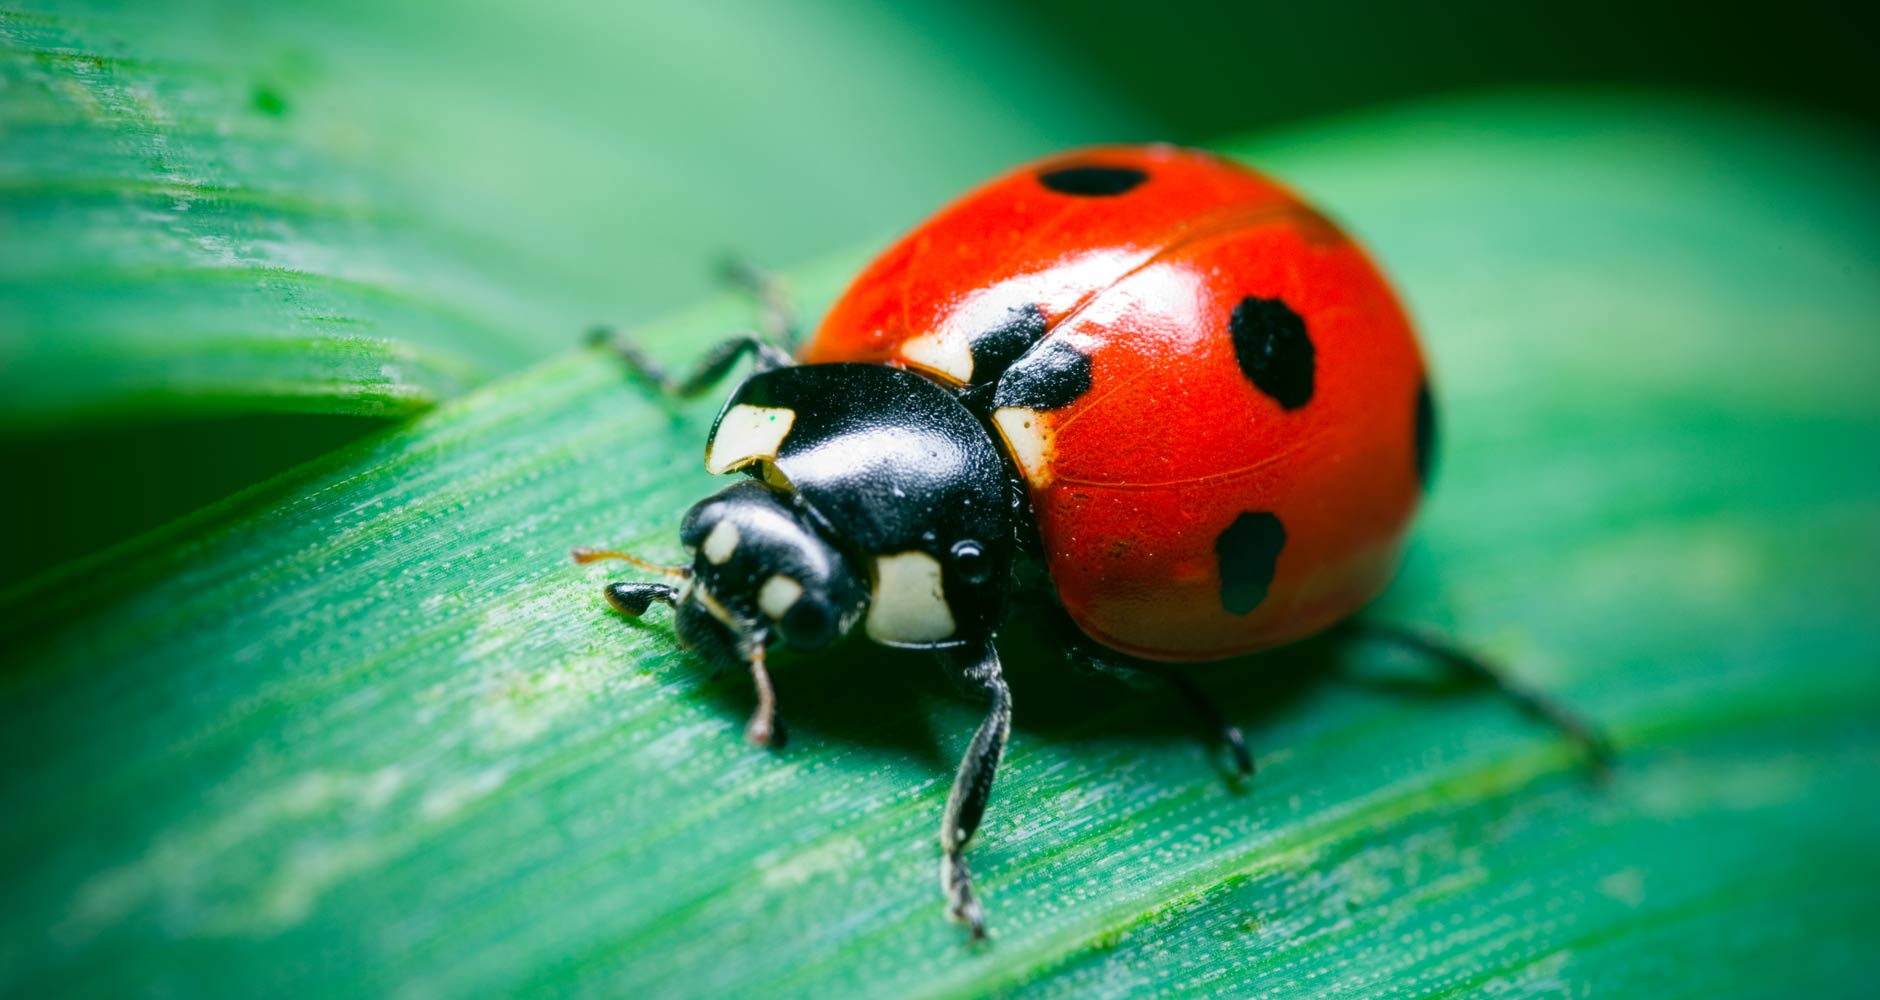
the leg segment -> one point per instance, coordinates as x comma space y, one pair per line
977, 669
1532, 703
776, 324
776, 313
711, 368
1085, 653
765, 728
1198, 701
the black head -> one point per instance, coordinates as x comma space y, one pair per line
762, 573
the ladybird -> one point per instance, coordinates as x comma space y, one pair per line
1142, 386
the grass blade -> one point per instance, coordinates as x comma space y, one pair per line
366, 730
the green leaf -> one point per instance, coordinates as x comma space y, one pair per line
216, 208
365, 730
237, 234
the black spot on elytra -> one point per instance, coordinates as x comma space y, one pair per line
1271, 344
1425, 432
1249, 553
1093, 182
994, 350
1050, 376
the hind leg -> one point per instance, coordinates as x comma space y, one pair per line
1534, 704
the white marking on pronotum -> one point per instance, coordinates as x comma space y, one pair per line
722, 541
1029, 441
778, 595
909, 604
942, 353
747, 434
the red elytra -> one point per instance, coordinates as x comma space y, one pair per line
1237, 461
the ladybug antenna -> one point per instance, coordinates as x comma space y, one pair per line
586, 555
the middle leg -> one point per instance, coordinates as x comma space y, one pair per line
1081, 651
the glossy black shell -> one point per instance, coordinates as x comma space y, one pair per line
892, 463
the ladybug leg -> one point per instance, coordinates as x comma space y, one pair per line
1086, 655
1210, 714
766, 727
1534, 704
979, 671
776, 311
710, 370
776, 324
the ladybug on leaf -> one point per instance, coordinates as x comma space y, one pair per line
1163, 379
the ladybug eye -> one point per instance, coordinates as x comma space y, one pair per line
969, 560
809, 625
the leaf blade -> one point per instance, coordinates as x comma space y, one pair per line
370, 711
223, 183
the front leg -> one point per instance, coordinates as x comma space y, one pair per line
977, 668
710, 370
766, 727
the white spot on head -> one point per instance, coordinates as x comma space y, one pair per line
747, 434
722, 541
778, 595
909, 604
945, 353
1029, 441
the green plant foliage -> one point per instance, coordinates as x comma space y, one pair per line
361, 208
235, 234
365, 730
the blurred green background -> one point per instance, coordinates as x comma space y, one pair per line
302, 696
356, 174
